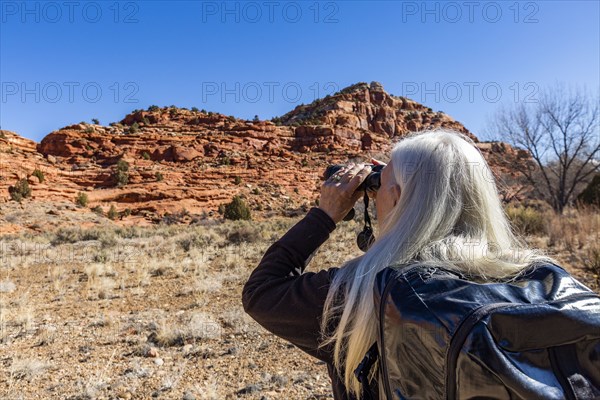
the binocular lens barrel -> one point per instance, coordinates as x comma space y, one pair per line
372, 182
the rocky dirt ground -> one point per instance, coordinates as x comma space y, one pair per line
118, 312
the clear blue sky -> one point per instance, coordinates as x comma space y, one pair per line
264, 58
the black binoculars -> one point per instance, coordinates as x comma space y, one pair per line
371, 183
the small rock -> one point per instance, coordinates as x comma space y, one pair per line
159, 361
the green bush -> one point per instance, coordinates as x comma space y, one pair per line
527, 220
95, 121
195, 109
237, 180
98, 210
153, 108
38, 174
20, 190
135, 128
237, 210
82, 199
159, 176
145, 155
112, 214
121, 175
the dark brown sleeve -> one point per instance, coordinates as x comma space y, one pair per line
281, 296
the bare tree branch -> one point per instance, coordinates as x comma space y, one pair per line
561, 132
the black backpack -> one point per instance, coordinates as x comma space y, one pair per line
442, 336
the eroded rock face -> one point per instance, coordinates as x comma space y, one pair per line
193, 160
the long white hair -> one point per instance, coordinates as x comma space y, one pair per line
449, 214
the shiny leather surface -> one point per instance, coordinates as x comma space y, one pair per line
507, 354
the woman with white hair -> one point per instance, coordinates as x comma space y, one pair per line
437, 205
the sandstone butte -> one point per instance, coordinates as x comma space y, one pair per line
206, 158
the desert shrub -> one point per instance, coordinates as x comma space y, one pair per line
20, 190
591, 194
159, 177
73, 235
195, 109
38, 174
95, 121
255, 191
82, 199
527, 220
153, 108
200, 239
112, 213
121, 175
237, 210
127, 212
593, 261
98, 210
145, 155
237, 180
146, 121
135, 128
242, 232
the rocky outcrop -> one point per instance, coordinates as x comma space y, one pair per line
194, 160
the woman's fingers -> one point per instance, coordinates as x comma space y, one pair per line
339, 196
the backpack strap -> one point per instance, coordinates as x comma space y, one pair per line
364, 368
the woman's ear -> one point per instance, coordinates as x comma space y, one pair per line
396, 192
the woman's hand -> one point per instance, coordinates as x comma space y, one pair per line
338, 193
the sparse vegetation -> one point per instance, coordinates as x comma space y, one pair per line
82, 199
20, 190
134, 128
159, 176
39, 174
112, 213
237, 210
98, 210
121, 174
237, 180
195, 109
95, 121
527, 220
153, 108
146, 155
